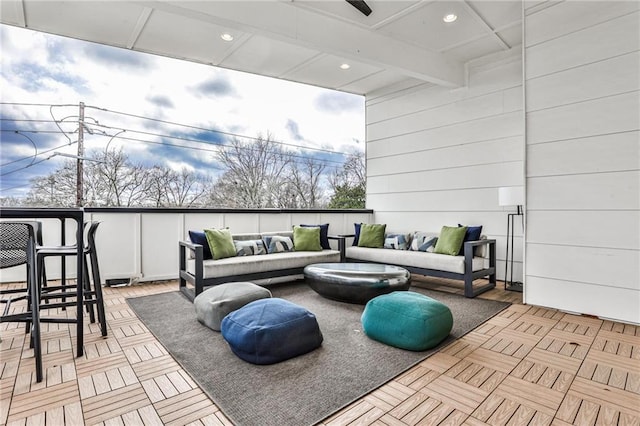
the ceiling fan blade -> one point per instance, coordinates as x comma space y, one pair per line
361, 5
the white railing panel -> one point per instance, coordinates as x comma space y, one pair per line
159, 238
118, 245
201, 221
143, 244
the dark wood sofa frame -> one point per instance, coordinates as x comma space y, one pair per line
468, 277
200, 283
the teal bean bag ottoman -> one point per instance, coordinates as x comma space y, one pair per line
407, 320
267, 331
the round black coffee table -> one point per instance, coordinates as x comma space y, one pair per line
355, 282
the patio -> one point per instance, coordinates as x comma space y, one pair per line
540, 95
527, 364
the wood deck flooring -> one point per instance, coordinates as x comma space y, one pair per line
526, 366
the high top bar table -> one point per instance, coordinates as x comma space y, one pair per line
77, 214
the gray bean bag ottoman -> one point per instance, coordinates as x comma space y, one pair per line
214, 304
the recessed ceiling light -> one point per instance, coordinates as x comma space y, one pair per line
449, 18
345, 66
226, 37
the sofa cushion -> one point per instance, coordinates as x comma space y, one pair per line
397, 241
220, 243
278, 243
423, 241
306, 238
249, 247
199, 238
372, 235
324, 234
450, 240
356, 233
473, 234
417, 259
256, 264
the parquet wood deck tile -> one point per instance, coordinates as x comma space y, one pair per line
527, 365
183, 408
109, 404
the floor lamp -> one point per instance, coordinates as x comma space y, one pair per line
511, 196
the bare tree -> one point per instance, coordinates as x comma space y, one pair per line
123, 183
168, 188
55, 189
306, 184
257, 174
254, 172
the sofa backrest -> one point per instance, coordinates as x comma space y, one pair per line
282, 233
246, 237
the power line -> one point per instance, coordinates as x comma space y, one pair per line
88, 127
40, 153
36, 131
51, 106
16, 187
321, 160
36, 104
27, 120
211, 130
215, 150
222, 145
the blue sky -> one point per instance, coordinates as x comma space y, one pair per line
44, 69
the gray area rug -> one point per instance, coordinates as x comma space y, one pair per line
303, 390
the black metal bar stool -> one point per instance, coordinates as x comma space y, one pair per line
18, 247
92, 285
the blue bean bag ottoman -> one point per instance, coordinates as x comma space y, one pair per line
407, 320
213, 304
271, 330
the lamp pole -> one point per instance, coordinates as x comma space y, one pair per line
79, 164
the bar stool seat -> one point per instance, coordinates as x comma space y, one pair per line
17, 247
92, 293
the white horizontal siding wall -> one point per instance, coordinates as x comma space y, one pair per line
582, 97
437, 156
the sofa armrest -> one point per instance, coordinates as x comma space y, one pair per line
189, 245
341, 245
198, 251
468, 252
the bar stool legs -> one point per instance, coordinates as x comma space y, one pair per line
17, 247
92, 286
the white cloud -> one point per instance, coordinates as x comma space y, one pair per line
41, 68
178, 166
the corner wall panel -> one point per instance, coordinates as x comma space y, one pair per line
582, 104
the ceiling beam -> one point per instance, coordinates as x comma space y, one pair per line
142, 21
488, 29
19, 13
296, 25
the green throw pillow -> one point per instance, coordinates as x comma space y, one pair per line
220, 243
372, 235
450, 240
306, 239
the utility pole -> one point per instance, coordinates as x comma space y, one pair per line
79, 164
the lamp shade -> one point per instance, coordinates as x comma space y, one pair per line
511, 196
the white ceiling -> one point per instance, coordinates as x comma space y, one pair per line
298, 40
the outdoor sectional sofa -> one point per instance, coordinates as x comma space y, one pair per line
476, 262
201, 273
